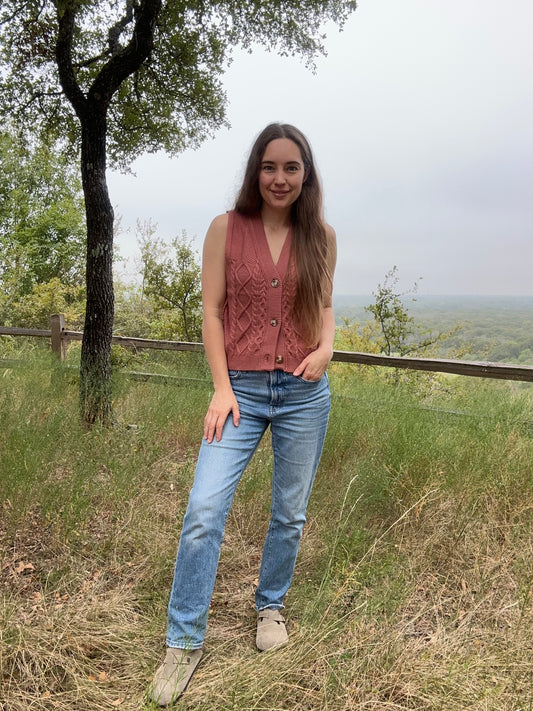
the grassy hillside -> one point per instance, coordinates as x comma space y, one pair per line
493, 328
414, 586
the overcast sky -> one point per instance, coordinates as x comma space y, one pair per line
421, 121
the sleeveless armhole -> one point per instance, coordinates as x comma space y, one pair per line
229, 234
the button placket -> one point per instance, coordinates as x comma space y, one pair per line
275, 319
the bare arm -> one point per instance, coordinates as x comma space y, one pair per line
223, 401
314, 365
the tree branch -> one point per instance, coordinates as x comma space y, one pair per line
65, 18
129, 59
114, 32
91, 60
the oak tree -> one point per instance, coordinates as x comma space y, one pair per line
117, 78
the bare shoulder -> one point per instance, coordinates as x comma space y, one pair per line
215, 238
332, 244
218, 226
220, 221
330, 233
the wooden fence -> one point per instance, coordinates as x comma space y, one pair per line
60, 337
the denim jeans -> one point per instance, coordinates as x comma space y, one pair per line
297, 412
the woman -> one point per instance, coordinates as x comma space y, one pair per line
268, 333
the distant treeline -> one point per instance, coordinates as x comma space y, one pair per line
492, 328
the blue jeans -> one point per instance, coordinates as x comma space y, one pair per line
297, 412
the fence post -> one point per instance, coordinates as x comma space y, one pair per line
57, 326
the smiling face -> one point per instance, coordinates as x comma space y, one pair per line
282, 174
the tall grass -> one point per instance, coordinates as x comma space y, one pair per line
413, 588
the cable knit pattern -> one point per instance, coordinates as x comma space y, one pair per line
293, 340
258, 328
250, 308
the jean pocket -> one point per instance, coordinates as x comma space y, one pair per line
307, 382
234, 374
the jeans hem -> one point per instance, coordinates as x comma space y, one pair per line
188, 648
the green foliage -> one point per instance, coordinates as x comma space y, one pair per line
352, 336
42, 218
42, 235
167, 97
393, 332
355, 337
399, 334
167, 303
495, 329
172, 280
478, 328
54, 297
133, 313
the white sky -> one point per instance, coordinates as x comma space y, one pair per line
421, 121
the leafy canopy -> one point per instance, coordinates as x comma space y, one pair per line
175, 98
42, 217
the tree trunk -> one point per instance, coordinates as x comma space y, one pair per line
95, 369
91, 109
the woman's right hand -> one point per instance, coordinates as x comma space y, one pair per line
222, 404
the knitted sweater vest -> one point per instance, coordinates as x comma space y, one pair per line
259, 332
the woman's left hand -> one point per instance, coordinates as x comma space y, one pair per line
314, 366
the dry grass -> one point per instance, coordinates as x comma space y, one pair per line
423, 602
80, 633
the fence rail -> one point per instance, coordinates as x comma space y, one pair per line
60, 337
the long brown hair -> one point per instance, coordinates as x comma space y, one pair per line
309, 245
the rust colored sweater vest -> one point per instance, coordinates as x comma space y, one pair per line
259, 333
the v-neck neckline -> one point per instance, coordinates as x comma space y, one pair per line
283, 260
